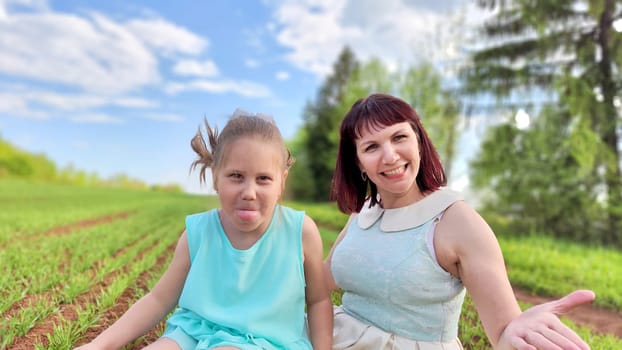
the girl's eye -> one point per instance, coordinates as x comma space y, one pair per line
264, 178
235, 176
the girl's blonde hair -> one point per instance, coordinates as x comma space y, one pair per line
241, 124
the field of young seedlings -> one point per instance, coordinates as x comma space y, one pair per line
69, 255
72, 260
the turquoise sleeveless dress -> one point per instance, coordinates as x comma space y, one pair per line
387, 268
249, 299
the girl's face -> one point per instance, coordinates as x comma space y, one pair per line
390, 158
249, 184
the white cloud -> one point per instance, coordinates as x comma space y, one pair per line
133, 102
20, 98
196, 68
282, 75
313, 33
91, 52
17, 105
83, 63
98, 118
10, 102
397, 31
65, 102
163, 35
164, 117
244, 88
94, 54
251, 63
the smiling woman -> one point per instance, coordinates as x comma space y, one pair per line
411, 248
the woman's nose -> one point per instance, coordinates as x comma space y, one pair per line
389, 154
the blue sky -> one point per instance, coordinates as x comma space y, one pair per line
121, 86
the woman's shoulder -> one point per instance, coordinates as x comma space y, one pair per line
462, 222
461, 211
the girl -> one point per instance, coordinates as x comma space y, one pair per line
241, 274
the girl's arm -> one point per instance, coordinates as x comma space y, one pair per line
151, 308
319, 305
468, 249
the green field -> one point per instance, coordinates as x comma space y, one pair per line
73, 258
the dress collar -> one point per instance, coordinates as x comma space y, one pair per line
410, 216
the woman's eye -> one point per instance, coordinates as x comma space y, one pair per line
370, 148
400, 137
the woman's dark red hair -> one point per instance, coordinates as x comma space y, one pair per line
374, 112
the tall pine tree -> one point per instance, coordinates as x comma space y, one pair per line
569, 47
321, 118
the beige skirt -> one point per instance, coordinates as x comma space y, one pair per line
350, 333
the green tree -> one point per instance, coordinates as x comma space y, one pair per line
299, 180
17, 163
422, 87
321, 118
542, 176
568, 47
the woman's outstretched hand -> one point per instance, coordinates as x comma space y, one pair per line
539, 327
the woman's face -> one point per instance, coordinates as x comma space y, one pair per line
390, 158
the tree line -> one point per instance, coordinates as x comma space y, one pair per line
17, 163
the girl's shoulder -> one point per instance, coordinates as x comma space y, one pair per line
196, 219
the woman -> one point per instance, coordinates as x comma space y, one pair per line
411, 247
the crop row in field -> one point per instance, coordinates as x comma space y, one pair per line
78, 251
72, 260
